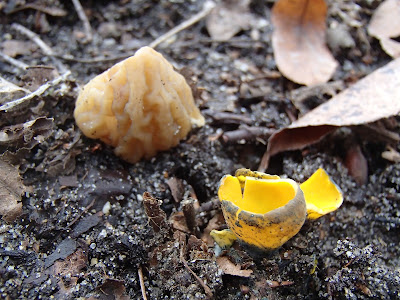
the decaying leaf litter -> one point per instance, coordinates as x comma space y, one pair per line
83, 231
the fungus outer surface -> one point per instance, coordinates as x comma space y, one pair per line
140, 106
262, 211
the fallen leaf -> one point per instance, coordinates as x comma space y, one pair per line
372, 98
36, 76
68, 272
10, 91
178, 221
113, 289
385, 26
177, 188
228, 18
11, 189
357, 164
14, 48
298, 41
156, 215
17, 140
63, 250
85, 224
230, 268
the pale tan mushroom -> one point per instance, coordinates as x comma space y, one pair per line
139, 106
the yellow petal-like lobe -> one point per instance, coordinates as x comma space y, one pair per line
224, 238
322, 195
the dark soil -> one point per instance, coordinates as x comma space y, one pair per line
84, 233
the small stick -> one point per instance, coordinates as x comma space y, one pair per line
247, 133
80, 215
38, 92
84, 19
228, 117
208, 7
141, 281
42, 45
34, 37
14, 62
207, 290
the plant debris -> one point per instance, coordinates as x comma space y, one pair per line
385, 26
360, 104
11, 190
299, 41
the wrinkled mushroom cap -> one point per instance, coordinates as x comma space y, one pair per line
139, 106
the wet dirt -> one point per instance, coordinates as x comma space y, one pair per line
84, 233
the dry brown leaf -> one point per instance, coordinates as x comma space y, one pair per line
14, 48
11, 189
357, 164
10, 91
230, 268
228, 18
298, 41
374, 97
113, 289
385, 26
17, 140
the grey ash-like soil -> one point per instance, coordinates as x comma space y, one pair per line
84, 233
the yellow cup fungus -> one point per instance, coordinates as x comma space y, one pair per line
265, 211
322, 194
140, 106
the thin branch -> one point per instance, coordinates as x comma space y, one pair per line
207, 290
42, 45
12, 61
84, 19
208, 7
34, 37
247, 133
141, 281
38, 92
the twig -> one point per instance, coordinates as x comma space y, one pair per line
38, 92
141, 281
93, 60
84, 19
247, 133
80, 215
208, 7
34, 37
207, 290
42, 45
228, 117
14, 62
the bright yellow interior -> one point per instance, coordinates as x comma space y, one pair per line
321, 192
259, 195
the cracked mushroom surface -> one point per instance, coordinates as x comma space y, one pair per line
140, 106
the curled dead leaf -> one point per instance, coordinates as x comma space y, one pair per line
228, 18
374, 97
230, 268
11, 189
17, 140
385, 26
298, 41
